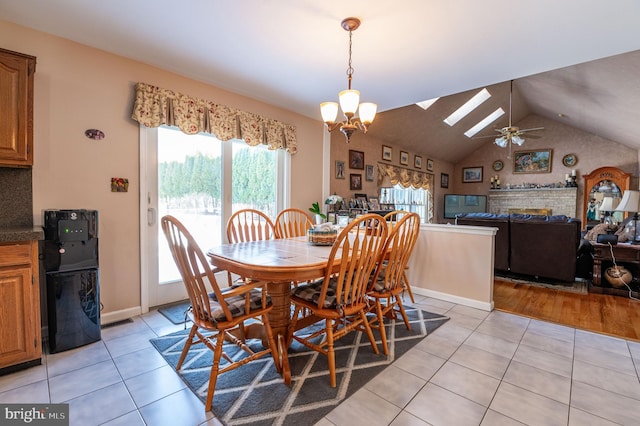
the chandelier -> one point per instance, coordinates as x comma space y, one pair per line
349, 100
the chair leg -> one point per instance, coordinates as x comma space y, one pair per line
407, 286
215, 367
367, 328
383, 332
187, 345
403, 312
331, 355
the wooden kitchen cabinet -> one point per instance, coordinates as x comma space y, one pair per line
20, 341
16, 108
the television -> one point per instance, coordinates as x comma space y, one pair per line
459, 203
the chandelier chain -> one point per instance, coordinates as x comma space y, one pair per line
350, 68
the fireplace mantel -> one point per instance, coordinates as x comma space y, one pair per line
560, 201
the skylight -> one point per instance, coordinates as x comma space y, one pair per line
484, 122
426, 104
469, 106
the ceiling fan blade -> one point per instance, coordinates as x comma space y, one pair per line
528, 136
532, 129
487, 136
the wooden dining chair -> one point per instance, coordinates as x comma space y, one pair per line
222, 312
386, 285
249, 225
339, 299
292, 222
392, 218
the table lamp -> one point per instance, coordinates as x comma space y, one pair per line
631, 203
606, 207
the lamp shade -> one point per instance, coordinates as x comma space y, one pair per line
329, 111
607, 204
630, 201
367, 112
349, 100
386, 182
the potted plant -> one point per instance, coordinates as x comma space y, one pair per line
315, 209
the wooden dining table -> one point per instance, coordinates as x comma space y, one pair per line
279, 262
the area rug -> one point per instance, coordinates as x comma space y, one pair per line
256, 394
175, 312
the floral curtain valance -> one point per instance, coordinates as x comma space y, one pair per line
405, 177
155, 106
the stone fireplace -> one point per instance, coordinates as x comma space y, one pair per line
556, 201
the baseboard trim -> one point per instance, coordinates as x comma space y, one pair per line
121, 315
454, 299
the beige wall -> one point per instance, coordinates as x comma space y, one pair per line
454, 263
372, 149
592, 152
77, 88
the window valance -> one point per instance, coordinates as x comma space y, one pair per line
155, 106
405, 177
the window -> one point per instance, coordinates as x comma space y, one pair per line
409, 199
194, 174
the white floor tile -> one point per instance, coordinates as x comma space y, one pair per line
438, 406
526, 371
528, 407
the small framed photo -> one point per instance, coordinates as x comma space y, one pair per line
444, 180
355, 181
429, 165
356, 159
386, 153
417, 162
472, 174
339, 169
404, 158
368, 174
374, 204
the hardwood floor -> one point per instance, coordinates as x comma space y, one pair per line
607, 314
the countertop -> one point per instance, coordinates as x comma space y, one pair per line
13, 234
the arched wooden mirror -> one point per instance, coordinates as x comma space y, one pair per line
605, 182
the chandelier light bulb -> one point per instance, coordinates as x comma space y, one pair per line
367, 112
329, 111
349, 100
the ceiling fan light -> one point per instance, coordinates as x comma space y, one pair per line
517, 140
501, 142
367, 112
329, 111
349, 100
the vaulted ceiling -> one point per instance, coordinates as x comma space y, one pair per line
576, 61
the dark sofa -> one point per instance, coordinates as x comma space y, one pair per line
532, 245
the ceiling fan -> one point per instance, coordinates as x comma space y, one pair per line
512, 134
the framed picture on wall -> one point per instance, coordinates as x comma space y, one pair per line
417, 162
534, 161
355, 181
368, 175
356, 159
404, 158
429, 165
471, 174
444, 180
339, 169
386, 153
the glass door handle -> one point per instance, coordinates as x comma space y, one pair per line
151, 216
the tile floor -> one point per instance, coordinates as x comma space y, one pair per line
479, 368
